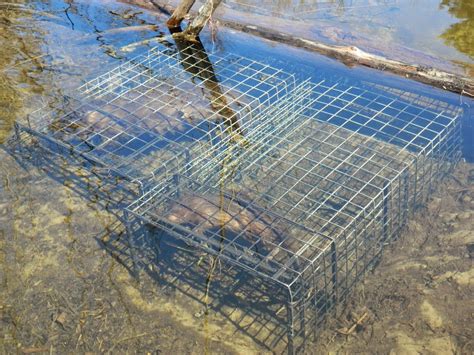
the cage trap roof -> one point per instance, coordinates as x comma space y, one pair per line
151, 108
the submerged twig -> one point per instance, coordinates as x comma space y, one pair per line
128, 338
34, 350
131, 29
22, 8
349, 331
132, 46
67, 13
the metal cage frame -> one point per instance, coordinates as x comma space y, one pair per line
300, 184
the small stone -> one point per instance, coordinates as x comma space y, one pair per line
448, 217
265, 298
61, 318
199, 314
435, 203
431, 315
470, 250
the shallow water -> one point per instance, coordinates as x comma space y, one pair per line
65, 281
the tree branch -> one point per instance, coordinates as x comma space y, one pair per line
179, 13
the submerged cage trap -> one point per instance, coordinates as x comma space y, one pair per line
298, 184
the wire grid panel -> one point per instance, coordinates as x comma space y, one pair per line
192, 64
429, 129
345, 165
152, 108
246, 235
342, 197
424, 133
444, 151
319, 176
255, 136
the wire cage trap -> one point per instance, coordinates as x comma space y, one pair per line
425, 132
309, 203
149, 109
307, 220
298, 184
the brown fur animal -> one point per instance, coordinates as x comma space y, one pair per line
229, 218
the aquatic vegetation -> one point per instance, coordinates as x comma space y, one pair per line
17, 47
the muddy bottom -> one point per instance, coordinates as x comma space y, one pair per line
66, 282
419, 298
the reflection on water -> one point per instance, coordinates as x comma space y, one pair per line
47, 47
428, 32
460, 35
195, 60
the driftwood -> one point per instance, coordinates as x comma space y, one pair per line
199, 22
145, 42
349, 55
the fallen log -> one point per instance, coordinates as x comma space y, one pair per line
349, 55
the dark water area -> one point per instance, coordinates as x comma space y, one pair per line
65, 283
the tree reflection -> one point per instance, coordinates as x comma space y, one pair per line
460, 35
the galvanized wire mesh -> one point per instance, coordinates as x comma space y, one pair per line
297, 183
308, 203
307, 211
149, 109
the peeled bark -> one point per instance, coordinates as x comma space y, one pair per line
204, 14
179, 13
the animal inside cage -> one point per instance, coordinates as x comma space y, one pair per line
298, 184
305, 216
309, 206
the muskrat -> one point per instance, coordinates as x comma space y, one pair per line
85, 125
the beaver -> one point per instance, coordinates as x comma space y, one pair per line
227, 218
